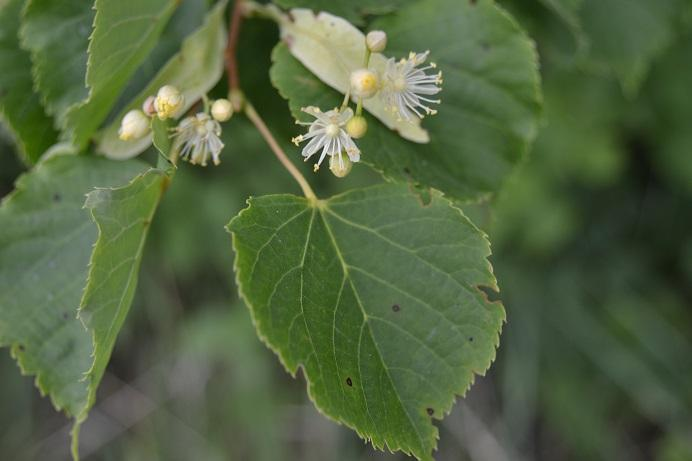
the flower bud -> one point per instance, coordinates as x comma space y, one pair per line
376, 41
169, 100
364, 83
222, 110
134, 125
340, 165
357, 127
148, 106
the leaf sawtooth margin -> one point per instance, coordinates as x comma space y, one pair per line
377, 298
110, 62
123, 218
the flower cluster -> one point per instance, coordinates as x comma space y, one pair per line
405, 88
195, 139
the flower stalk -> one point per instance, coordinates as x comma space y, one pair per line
255, 118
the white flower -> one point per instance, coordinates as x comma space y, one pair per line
169, 100
197, 137
405, 87
222, 110
134, 125
327, 133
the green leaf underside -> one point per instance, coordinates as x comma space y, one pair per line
375, 296
20, 107
490, 98
622, 36
57, 34
123, 217
194, 70
352, 10
124, 33
46, 238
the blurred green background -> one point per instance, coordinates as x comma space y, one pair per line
592, 242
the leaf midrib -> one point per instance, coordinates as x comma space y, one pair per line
344, 267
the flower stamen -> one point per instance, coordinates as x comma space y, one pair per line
405, 86
327, 135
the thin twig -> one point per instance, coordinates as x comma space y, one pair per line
280, 154
234, 84
232, 45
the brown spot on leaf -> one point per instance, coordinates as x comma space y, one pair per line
396, 308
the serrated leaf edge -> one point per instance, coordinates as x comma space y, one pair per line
88, 375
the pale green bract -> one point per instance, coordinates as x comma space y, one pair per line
491, 97
194, 71
331, 48
376, 296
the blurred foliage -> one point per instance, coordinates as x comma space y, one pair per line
593, 249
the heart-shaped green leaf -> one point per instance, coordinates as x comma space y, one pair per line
376, 296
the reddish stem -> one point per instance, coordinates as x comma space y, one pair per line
232, 45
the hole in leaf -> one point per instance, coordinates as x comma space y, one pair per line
490, 293
430, 411
349, 382
396, 308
